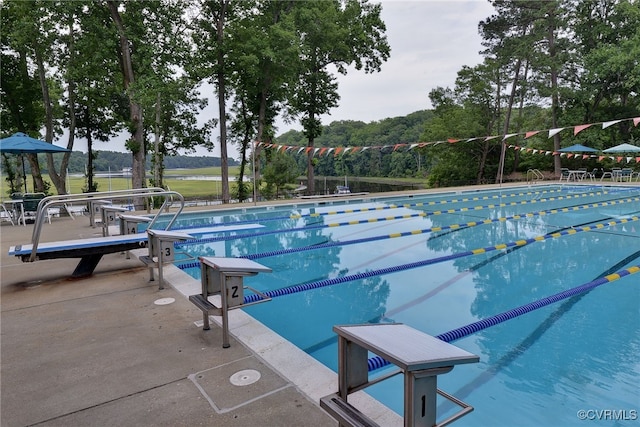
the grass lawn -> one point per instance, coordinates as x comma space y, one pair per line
189, 188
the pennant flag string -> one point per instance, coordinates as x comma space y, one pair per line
528, 134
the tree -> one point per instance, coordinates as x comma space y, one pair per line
137, 143
332, 33
25, 47
281, 169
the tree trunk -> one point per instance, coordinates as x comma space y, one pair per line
158, 158
221, 101
136, 144
555, 101
311, 179
507, 119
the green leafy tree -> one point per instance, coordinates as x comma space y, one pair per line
339, 34
281, 169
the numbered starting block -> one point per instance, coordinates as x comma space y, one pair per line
419, 357
224, 277
162, 250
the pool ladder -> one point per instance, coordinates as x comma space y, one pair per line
534, 176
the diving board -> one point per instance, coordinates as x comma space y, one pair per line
90, 251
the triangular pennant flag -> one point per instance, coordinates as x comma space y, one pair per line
619, 159
611, 123
529, 150
365, 148
629, 159
309, 149
530, 133
637, 159
347, 149
300, 150
473, 139
395, 147
553, 132
547, 153
490, 137
452, 141
338, 150
412, 146
330, 150
322, 150
585, 156
600, 158
535, 151
578, 129
315, 150
636, 121
509, 136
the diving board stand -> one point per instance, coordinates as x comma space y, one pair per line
419, 356
162, 251
224, 277
90, 251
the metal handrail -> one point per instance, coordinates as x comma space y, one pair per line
88, 197
101, 195
535, 175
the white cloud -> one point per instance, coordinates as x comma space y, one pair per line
430, 42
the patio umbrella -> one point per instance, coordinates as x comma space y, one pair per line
20, 143
623, 148
578, 148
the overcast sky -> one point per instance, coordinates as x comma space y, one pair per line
430, 42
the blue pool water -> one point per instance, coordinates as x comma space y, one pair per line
541, 368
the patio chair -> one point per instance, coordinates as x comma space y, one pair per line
6, 215
30, 207
613, 174
565, 174
625, 174
593, 174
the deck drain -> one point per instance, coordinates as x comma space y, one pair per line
164, 301
244, 377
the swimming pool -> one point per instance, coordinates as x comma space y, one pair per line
436, 262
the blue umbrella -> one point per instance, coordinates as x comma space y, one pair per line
20, 143
623, 148
578, 148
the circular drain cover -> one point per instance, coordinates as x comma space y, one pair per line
245, 377
164, 301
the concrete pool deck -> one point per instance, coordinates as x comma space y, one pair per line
109, 350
